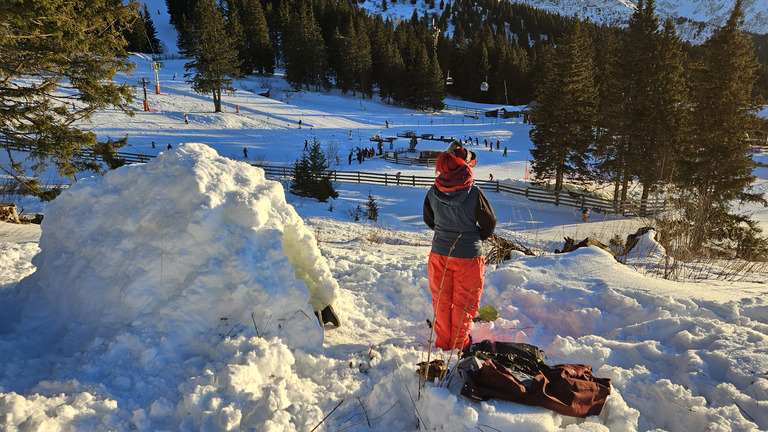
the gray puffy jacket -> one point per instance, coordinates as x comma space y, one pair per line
463, 214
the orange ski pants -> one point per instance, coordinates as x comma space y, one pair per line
456, 285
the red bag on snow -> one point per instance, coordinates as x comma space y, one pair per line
567, 389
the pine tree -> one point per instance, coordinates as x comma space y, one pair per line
387, 65
371, 208
425, 85
236, 34
654, 99
311, 177
214, 57
611, 149
155, 46
566, 114
136, 34
57, 66
360, 60
716, 167
256, 52
644, 105
304, 49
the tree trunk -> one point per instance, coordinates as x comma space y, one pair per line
644, 199
624, 188
217, 100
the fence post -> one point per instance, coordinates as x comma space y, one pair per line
497, 185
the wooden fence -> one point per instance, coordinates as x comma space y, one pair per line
568, 199
84, 154
400, 157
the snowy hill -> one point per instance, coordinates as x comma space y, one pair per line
697, 18
705, 14
168, 296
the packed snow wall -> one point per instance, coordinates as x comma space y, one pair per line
186, 245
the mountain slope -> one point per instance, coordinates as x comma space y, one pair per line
696, 18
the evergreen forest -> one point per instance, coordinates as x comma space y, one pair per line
325, 44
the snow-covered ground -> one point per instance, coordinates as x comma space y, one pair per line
172, 295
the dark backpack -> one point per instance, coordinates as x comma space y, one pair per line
516, 372
520, 357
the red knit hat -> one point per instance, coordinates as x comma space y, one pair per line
453, 167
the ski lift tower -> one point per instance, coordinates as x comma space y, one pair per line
144, 81
156, 66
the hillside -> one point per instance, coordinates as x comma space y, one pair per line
180, 294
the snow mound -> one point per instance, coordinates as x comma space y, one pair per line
188, 245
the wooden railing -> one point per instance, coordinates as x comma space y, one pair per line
84, 154
568, 199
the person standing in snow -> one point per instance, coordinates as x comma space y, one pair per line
585, 213
245, 152
461, 217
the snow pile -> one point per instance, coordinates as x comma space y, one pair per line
156, 273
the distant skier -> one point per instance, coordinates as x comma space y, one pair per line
585, 213
245, 152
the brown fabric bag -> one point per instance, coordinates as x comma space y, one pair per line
567, 389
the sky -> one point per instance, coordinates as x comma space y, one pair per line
175, 295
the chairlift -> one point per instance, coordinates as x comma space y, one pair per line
448, 79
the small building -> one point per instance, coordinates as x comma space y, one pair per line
760, 135
527, 112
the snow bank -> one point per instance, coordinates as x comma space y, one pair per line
159, 272
183, 245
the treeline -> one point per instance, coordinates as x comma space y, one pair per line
492, 53
638, 110
324, 44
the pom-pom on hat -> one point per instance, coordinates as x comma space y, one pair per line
460, 152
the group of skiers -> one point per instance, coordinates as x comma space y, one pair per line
488, 145
361, 154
